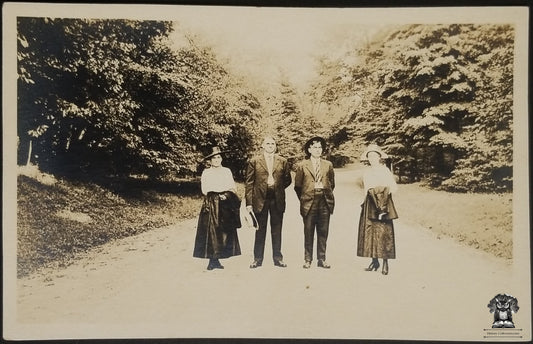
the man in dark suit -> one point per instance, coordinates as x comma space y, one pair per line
267, 176
314, 183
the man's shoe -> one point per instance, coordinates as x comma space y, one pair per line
307, 264
256, 264
280, 263
323, 264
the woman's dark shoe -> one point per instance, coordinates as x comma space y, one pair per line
374, 265
214, 264
385, 270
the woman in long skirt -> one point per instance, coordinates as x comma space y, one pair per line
216, 234
376, 230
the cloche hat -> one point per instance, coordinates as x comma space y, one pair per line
373, 148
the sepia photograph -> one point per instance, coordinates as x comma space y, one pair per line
265, 172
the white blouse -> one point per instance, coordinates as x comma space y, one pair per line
217, 179
379, 176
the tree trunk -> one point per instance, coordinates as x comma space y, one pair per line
29, 155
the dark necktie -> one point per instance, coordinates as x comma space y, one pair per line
270, 167
318, 176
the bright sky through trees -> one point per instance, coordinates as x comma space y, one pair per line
267, 41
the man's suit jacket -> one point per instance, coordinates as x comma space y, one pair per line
304, 184
256, 181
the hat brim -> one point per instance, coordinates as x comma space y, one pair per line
313, 139
364, 156
214, 154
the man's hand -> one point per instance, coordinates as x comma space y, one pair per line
249, 208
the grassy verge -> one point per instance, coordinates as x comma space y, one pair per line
483, 221
58, 219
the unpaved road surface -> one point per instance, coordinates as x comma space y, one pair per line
150, 286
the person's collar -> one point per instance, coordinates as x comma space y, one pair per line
315, 160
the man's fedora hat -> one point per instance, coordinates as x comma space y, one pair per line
215, 151
314, 139
373, 148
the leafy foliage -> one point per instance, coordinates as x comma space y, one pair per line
113, 97
438, 97
292, 125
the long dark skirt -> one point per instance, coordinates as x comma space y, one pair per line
375, 237
216, 237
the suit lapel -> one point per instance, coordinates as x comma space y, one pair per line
309, 166
276, 164
262, 162
323, 170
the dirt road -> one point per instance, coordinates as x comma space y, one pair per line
150, 286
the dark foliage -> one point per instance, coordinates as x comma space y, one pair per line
111, 97
437, 97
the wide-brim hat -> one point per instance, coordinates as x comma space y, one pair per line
215, 151
373, 148
313, 139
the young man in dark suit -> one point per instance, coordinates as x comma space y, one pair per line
314, 183
267, 176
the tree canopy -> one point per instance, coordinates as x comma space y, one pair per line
113, 97
438, 97
118, 97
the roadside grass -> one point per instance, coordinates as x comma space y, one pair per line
483, 221
57, 219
